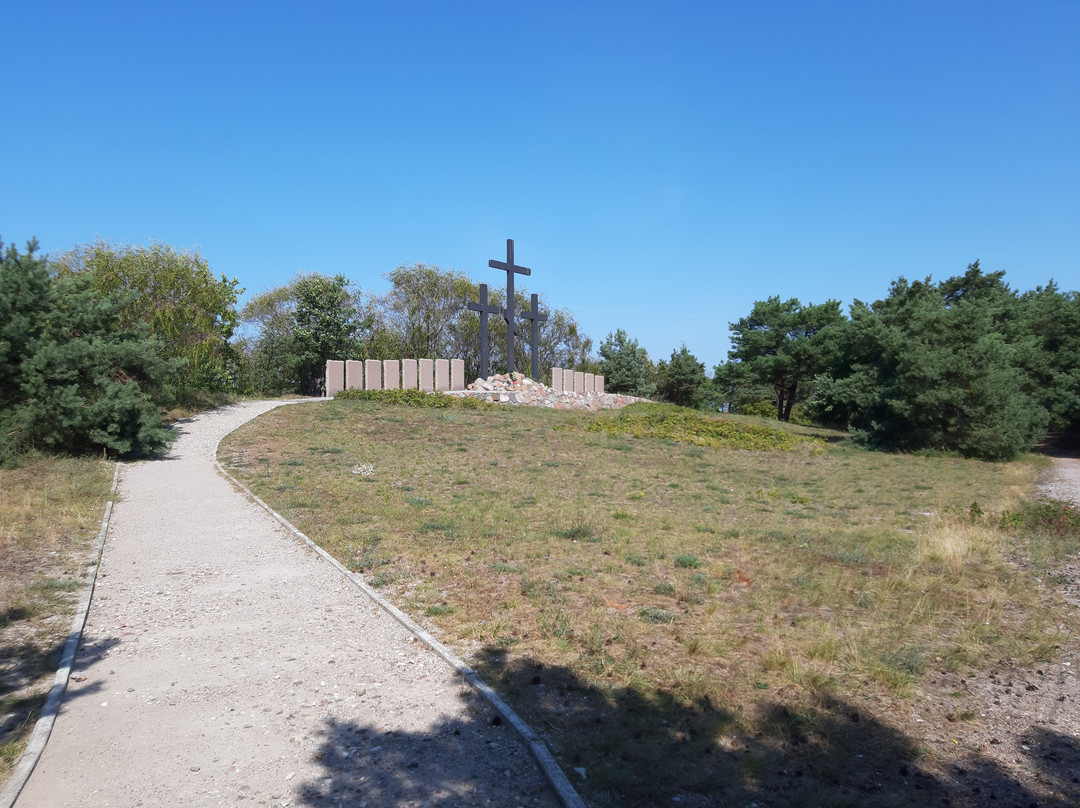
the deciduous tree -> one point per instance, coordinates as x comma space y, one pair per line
187, 306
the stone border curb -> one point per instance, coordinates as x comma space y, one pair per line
555, 775
43, 728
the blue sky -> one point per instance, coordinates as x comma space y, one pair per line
660, 166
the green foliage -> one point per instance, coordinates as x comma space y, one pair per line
189, 309
298, 327
626, 367
76, 379
413, 398
423, 316
328, 325
1050, 518
934, 366
690, 426
782, 345
682, 380
1048, 351
25, 301
760, 409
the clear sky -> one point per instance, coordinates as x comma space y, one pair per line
659, 165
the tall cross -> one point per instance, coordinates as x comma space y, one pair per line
537, 317
508, 313
485, 310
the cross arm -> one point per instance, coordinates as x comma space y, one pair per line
505, 267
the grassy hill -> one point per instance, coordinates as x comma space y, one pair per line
685, 605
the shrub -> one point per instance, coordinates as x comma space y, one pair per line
413, 398
76, 381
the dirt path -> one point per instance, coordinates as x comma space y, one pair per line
1063, 482
224, 663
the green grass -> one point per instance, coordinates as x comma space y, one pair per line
50, 512
725, 579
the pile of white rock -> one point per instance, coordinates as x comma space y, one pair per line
519, 389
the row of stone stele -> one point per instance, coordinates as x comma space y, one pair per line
394, 374
442, 375
574, 381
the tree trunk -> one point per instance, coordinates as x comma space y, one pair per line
790, 403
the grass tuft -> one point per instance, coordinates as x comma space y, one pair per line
652, 614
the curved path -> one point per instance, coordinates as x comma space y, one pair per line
225, 663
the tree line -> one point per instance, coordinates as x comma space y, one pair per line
98, 341
291, 331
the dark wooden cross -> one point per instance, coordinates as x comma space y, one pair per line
485, 310
537, 317
508, 313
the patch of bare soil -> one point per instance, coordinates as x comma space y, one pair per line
1007, 735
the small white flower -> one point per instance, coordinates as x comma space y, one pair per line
366, 469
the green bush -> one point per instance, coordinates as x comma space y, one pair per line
413, 398
694, 427
75, 380
1050, 518
761, 409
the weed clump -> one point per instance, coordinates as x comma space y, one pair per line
684, 425
652, 614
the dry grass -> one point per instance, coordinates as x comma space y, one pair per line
50, 512
651, 604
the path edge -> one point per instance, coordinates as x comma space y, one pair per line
566, 793
28, 760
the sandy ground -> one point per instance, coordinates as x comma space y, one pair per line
224, 663
1063, 481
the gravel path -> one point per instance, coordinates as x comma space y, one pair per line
1063, 482
225, 663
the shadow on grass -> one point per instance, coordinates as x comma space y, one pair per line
646, 750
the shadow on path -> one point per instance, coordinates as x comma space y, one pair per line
30, 663
439, 767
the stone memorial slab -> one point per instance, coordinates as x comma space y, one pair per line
335, 376
372, 374
391, 374
354, 374
556, 378
408, 374
457, 374
427, 375
442, 375
600, 385
579, 381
